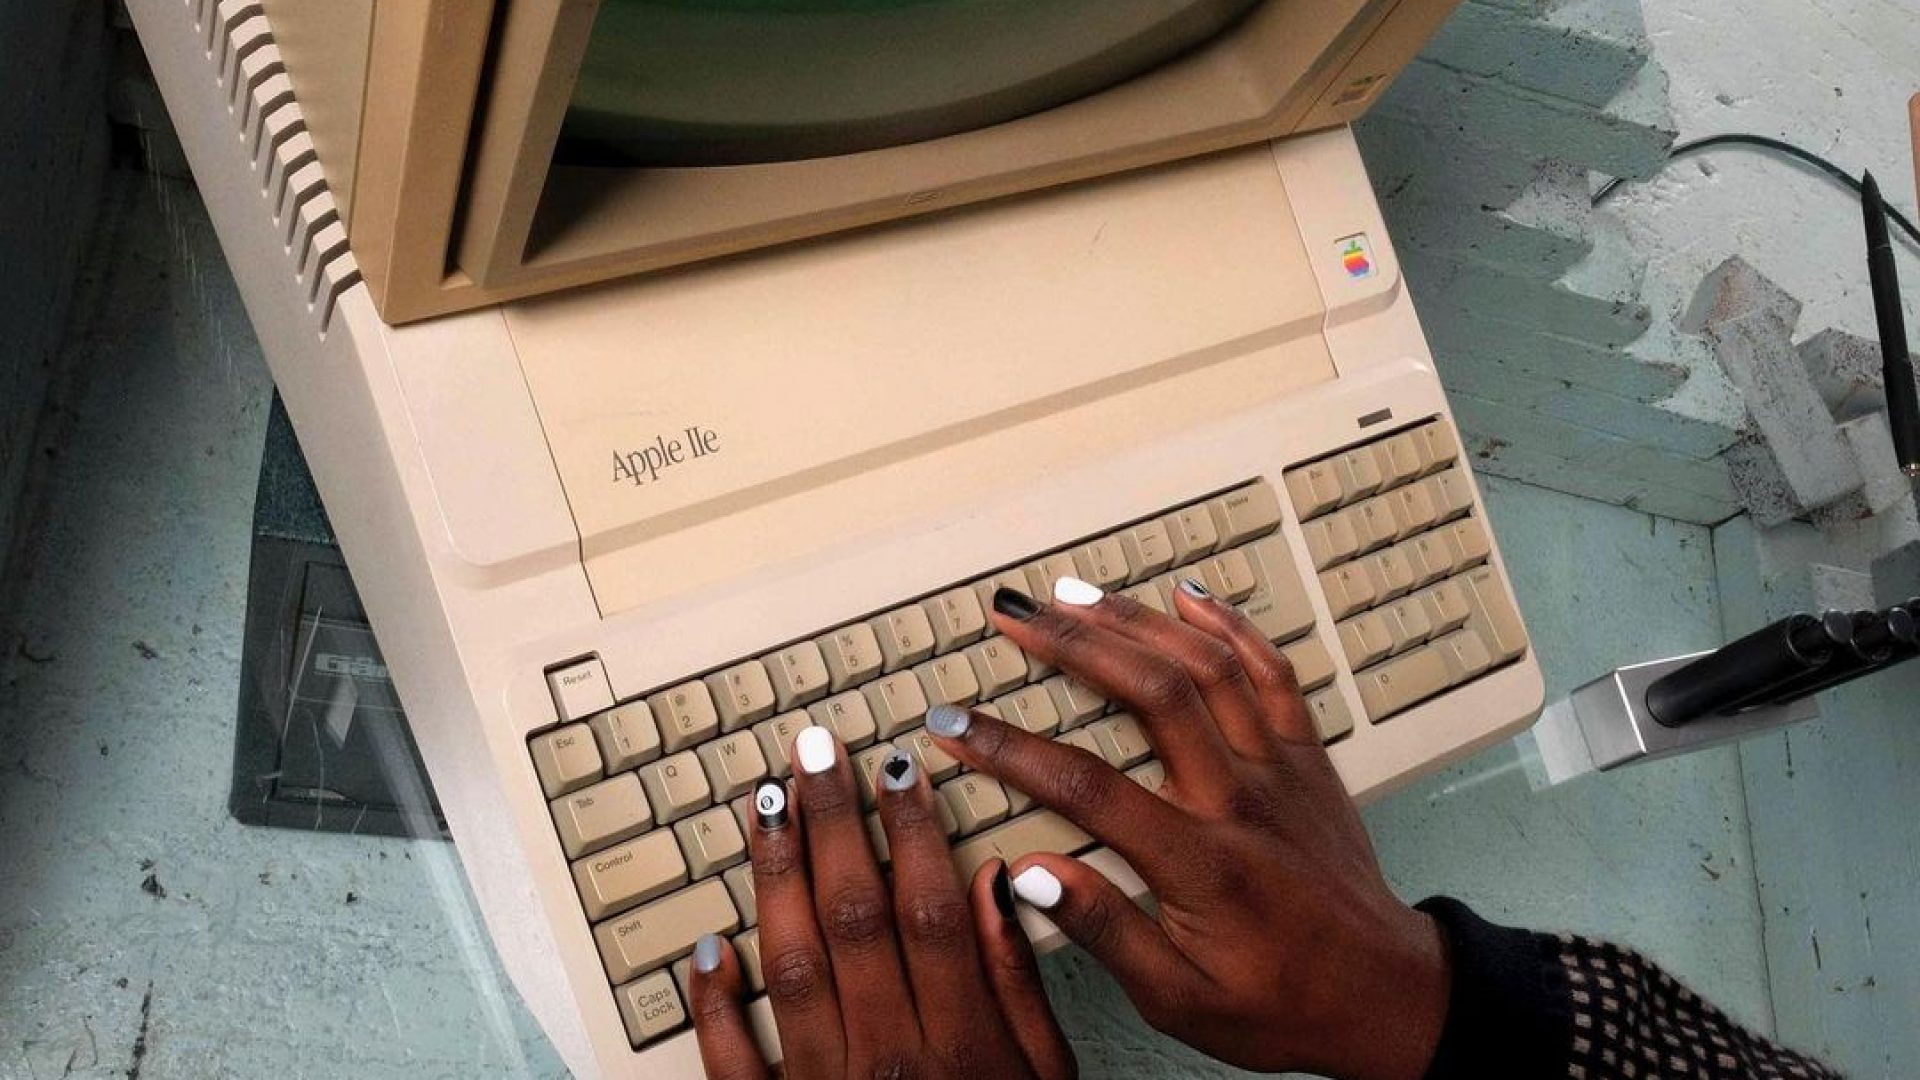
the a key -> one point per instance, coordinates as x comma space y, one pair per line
1465, 655
567, 759
1493, 615
985, 588
1331, 541
734, 763
1315, 489
1390, 574
1042, 830
686, 716
799, 675
580, 690
936, 763
1468, 540
676, 786
651, 1008
1082, 738
866, 768
1359, 473
1407, 623
740, 886
1043, 572
626, 736
1229, 576
948, 680
1120, 740
1451, 494
776, 740
742, 808
711, 841
1413, 508
1149, 549
606, 813
742, 695
632, 873
1427, 554
1401, 683
1192, 533
1331, 716
652, 935
1074, 701
852, 654
1148, 594
1312, 663
1399, 459
998, 666
976, 801
1279, 605
1366, 639
1348, 589
906, 637
1249, 513
1374, 524
1447, 606
747, 945
1102, 562
1032, 710
897, 702
1439, 446
956, 617
849, 716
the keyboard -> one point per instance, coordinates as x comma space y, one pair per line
650, 796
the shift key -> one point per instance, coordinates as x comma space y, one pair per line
652, 936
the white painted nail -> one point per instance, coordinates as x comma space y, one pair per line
1077, 593
815, 748
1038, 887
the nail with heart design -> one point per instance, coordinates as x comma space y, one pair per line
897, 772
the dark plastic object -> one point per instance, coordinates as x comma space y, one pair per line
1751, 666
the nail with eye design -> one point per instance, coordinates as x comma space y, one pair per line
770, 806
1015, 604
897, 772
1193, 588
1073, 592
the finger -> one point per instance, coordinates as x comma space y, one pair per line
852, 903
793, 955
727, 1049
1073, 783
1013, 973
1099, 918
936, 926
1147, 683
1280, 710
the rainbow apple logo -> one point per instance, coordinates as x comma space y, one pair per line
1356, 257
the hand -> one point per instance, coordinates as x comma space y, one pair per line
923, 980
1277, 945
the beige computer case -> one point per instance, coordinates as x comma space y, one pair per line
434, 122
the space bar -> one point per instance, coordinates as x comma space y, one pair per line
1042, 830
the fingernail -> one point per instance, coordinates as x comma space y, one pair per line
1015, 604
1193, 588
949, 721
770, 805
1003, 892
706, 954
897, 772
815, 748
1076, 593
1037, 886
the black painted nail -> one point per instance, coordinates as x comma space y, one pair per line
1003, 892
770, 806
1014, 604
1193, 588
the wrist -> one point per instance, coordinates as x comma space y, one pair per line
1402, 1008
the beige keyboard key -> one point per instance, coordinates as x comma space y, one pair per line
998, 666
1391, 574
1229, 576
1279, 606
977, 802
1331, 716
1465, 655
567, 759
1120, 740
655, 934
1074, 701
866, 768
627, 737
631, 873
1400, 460
711, 841
734, 763
1374, 524
651, 1008
1366, 639
1413, 508
1493, 615
1348, 589
985, 588
1448, 606
606, 813
897, 702
1452, 495
906, 637
1102, 562
948, 680
956, 617
1043, 572
1149, 549
1441, 448
1401, 683
751, 964
742, 808
1192, 533
799, 675
852, 654
677, 786
686, 716
849, 716
937, 764
1407, 622
1331, 541
776, 740
1149, 594
1152, 776
1042, 830
1312, 663
1315, 489
1359, 473
1469, 542
580, 690
1031, 709
746, 900
742, 695
1247, 514
1082, 739
1429, 557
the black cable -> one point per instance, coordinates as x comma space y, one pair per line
1834, 172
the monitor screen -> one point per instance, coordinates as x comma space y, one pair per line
734, 82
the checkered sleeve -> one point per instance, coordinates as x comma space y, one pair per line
1527, 1005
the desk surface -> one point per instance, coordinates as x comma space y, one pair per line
143, 932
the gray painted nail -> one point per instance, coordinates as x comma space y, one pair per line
706, 954
897, 772
949, 721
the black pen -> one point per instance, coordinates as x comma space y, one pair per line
1903, 402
